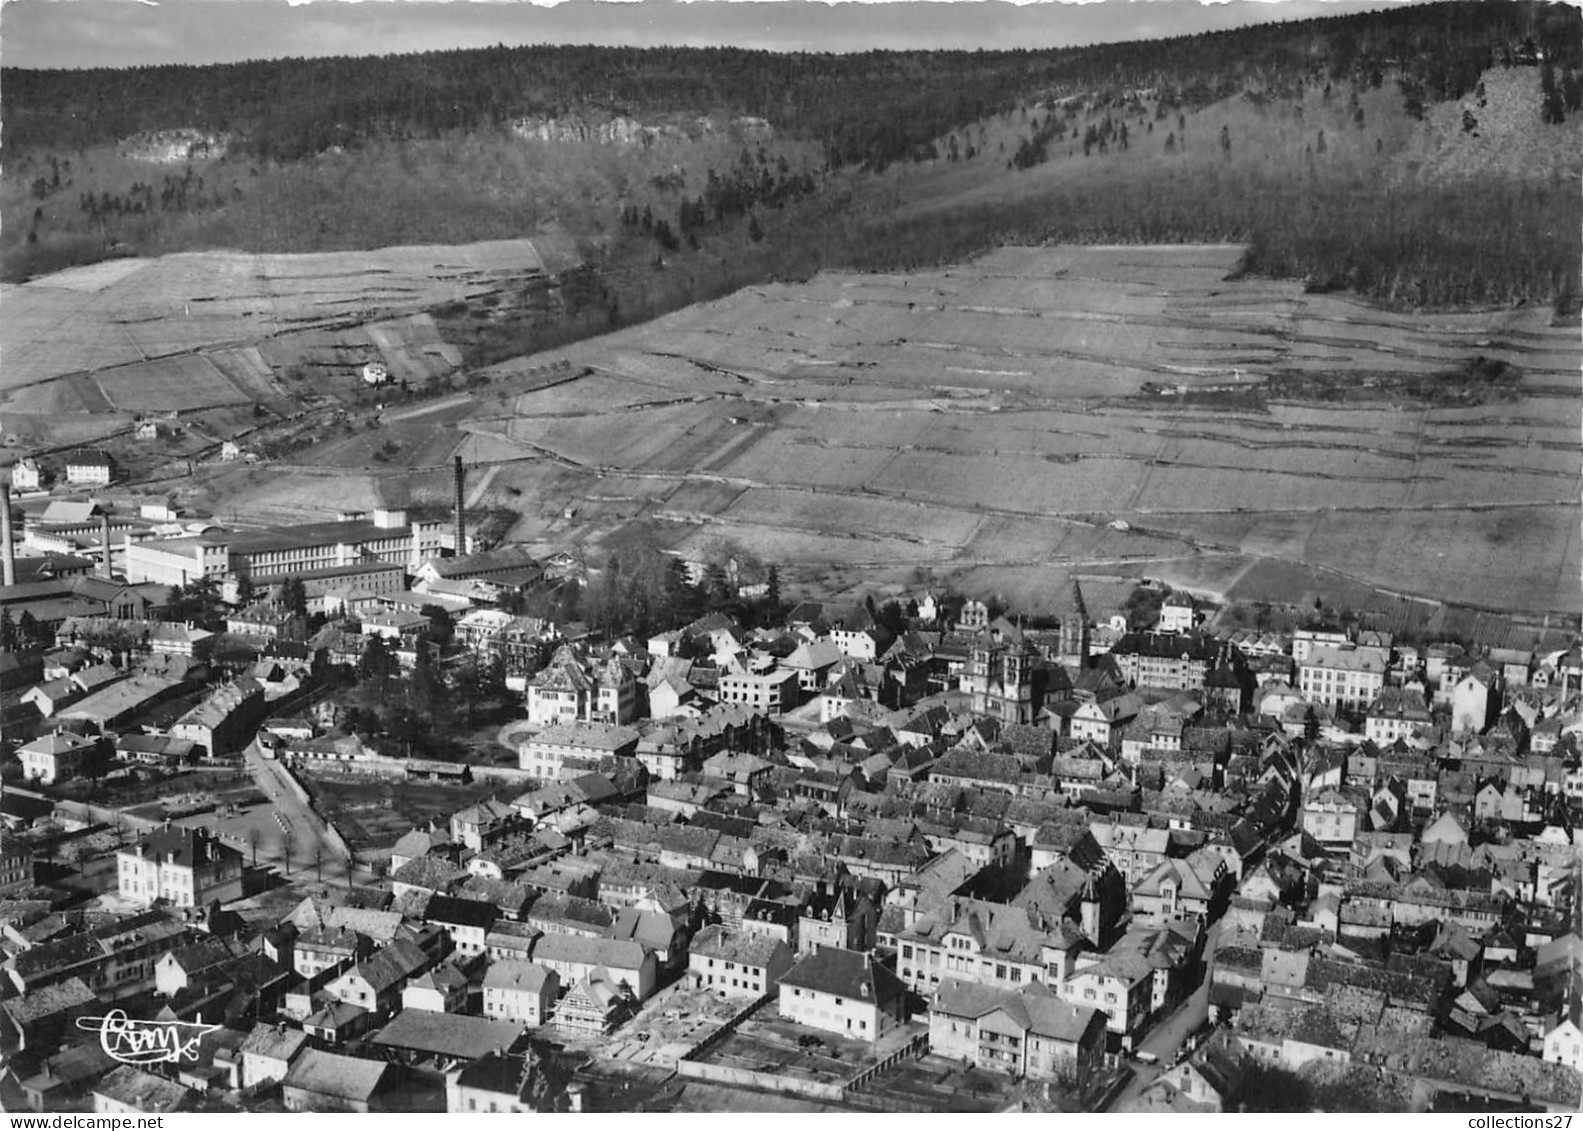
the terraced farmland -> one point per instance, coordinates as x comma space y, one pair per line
1047, 411
89, 348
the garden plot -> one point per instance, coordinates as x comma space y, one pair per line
170, 384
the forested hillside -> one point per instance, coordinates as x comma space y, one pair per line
723, 167
868, 109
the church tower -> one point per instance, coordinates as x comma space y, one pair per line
1074, 631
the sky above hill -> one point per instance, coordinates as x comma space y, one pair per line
118, 33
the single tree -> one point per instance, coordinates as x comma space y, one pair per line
1553, 110
294, 596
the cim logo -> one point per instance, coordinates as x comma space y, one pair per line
146, 1042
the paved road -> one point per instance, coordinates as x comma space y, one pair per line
1166, 1038
297, 823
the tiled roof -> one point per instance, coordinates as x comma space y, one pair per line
342, 1077
846, 974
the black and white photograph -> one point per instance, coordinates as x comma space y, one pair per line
869, 558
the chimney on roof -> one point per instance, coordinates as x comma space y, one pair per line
461, 520
104, 541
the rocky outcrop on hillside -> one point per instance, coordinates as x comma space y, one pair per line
1496, 130
621, 130
173, 147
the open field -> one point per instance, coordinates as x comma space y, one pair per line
990, 422
999, 425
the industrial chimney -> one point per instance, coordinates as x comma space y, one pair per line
461, 520
104, 540
5, 534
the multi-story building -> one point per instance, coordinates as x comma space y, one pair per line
496, 635
92, 467
990, 943
178, 561
16, 865
27, 475
1305, 640
266, 555
1135, 850
1023, 1033
574, 958
1330, 817
56, 757
1180, 889
737, 963
773, 692
1342, 677
843, 992
568, 750
1175, 661
575, 688
226, 720
1397, 713
346, 587
1121, 985
520, 991
184, 867
1475, 698
480, 825
838, 917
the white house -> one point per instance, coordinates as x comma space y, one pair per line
183, 867
520, 991
91, 466
55, 757
1341, 677
27, 475
737, 964
843, 992
1563, 1041
1475, 699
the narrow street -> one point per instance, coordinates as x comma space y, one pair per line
1166, 1038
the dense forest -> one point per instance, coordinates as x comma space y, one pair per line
869, 109
754, 165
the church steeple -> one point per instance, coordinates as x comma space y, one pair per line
1074, 630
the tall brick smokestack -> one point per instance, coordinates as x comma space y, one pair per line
461, 519
104, 540
5, 534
